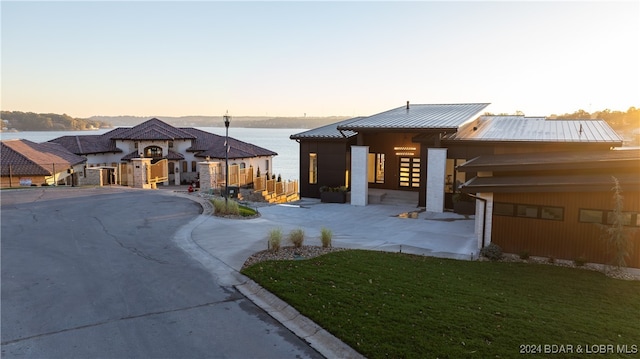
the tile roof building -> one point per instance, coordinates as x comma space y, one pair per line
28, 163
181, 147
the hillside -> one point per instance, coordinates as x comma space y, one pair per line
29, 121
217, 121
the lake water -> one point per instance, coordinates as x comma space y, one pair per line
274, 139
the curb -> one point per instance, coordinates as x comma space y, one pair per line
304, 328
318, 338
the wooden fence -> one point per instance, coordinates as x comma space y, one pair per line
159, 172
274, 191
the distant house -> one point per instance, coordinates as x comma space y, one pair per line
416, 148
555, 204
179, 148
26, 163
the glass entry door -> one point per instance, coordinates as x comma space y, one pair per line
409, 172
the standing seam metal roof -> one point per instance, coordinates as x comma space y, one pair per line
418, 117
537, 129
327, 132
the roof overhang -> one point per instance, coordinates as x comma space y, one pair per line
555, 161
528, 184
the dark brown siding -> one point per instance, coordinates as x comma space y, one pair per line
568, 239
333, 161
380, 142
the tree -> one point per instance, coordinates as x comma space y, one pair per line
615, 234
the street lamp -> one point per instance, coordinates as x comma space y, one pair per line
227, 120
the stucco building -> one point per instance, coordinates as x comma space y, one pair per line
180, 149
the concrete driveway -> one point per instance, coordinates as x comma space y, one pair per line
97, 273
373, 227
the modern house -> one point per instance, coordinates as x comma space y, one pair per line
174, 151
416, 148
543, 184
556, 204
26, 163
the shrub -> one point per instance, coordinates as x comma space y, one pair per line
492, 251
325, 237
551, 259
524, 255
296, 237
333, 189
275, 238
222, 207
580, 261
246, 211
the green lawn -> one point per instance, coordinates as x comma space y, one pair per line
390, 305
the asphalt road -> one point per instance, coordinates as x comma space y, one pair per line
94, 273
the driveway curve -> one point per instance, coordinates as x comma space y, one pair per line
94, 272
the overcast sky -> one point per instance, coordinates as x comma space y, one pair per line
317, 58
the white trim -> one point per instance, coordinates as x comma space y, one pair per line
484, 219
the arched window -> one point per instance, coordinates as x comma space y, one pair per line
153, 152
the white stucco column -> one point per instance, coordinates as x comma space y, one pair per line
176, 174
359, 179
436, 170
484, 219
208, 175
140, 170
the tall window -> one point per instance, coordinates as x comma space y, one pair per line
313, 168
194, 166
380, 168
376, 168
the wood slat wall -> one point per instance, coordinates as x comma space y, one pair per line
568, 239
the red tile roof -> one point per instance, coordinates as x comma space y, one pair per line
88, 144
152, 129
26, 158
212, 145
205, 144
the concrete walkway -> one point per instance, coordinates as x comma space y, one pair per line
223, 245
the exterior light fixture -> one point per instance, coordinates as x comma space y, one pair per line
404, 151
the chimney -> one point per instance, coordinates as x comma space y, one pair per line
407, 105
